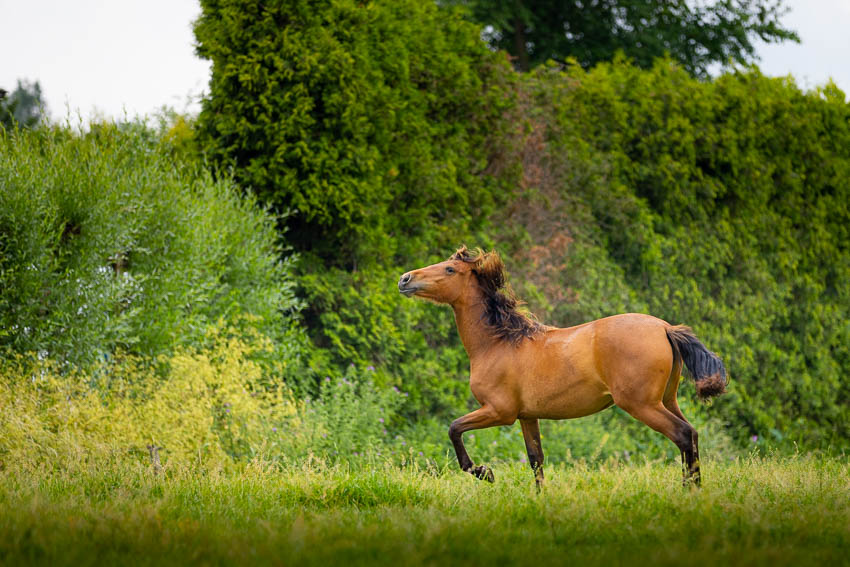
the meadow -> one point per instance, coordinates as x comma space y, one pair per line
750, 511
224, 287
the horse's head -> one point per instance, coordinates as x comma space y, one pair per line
447, 281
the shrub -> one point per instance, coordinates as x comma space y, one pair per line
106, 243
722, 205
203, 407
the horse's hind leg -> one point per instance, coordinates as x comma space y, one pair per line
531, 434
672, 404
691, 469
678, 430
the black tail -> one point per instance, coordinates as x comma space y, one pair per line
706, 367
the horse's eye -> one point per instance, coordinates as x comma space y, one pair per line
450, 270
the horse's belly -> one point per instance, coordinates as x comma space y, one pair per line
564, 399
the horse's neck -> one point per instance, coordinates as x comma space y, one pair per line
472, 325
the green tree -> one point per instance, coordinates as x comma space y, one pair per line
696, 34
24, 106
348, 113
6, 113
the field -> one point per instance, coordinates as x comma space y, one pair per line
750, 511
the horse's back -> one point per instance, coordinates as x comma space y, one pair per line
615, 346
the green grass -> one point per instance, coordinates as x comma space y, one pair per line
773, 511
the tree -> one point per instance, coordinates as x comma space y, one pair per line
342, 112
24, 106
695, 33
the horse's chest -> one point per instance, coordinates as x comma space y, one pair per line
491, 383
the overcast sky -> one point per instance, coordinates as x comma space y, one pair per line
107, 57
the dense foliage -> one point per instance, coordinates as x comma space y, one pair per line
108, 243
726, 206
720, 204
371, 124
352, 115
696, 34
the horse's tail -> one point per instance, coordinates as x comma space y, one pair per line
707, 369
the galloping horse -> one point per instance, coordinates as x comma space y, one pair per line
520, 369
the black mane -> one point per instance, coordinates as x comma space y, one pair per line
501, 313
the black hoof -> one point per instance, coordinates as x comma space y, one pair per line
482, 472
691, 482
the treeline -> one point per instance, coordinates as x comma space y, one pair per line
343, 143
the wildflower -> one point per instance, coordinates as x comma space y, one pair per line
370, 368
327, 378
754, 438
404, 443
380, 420
274, 429
421, 453
395, 389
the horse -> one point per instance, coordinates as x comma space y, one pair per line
523, 370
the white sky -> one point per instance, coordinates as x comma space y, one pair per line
103, 55
106, 58
824, 48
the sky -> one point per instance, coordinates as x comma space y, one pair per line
103, 57
97, 58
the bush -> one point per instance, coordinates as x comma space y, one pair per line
106, 244
204, 407
722, 205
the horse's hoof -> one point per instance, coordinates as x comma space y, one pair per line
692, 482
483, 472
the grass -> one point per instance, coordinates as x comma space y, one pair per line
773, 511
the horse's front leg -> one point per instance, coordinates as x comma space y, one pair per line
481, 418
531, 434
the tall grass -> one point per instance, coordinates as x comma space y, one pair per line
752, 511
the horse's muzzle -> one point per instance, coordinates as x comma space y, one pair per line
404, 284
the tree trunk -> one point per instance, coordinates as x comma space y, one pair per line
520, 50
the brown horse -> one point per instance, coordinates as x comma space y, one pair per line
520, 369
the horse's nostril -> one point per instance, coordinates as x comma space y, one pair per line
404, 279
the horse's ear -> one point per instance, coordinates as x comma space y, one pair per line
491, 268
461, 254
